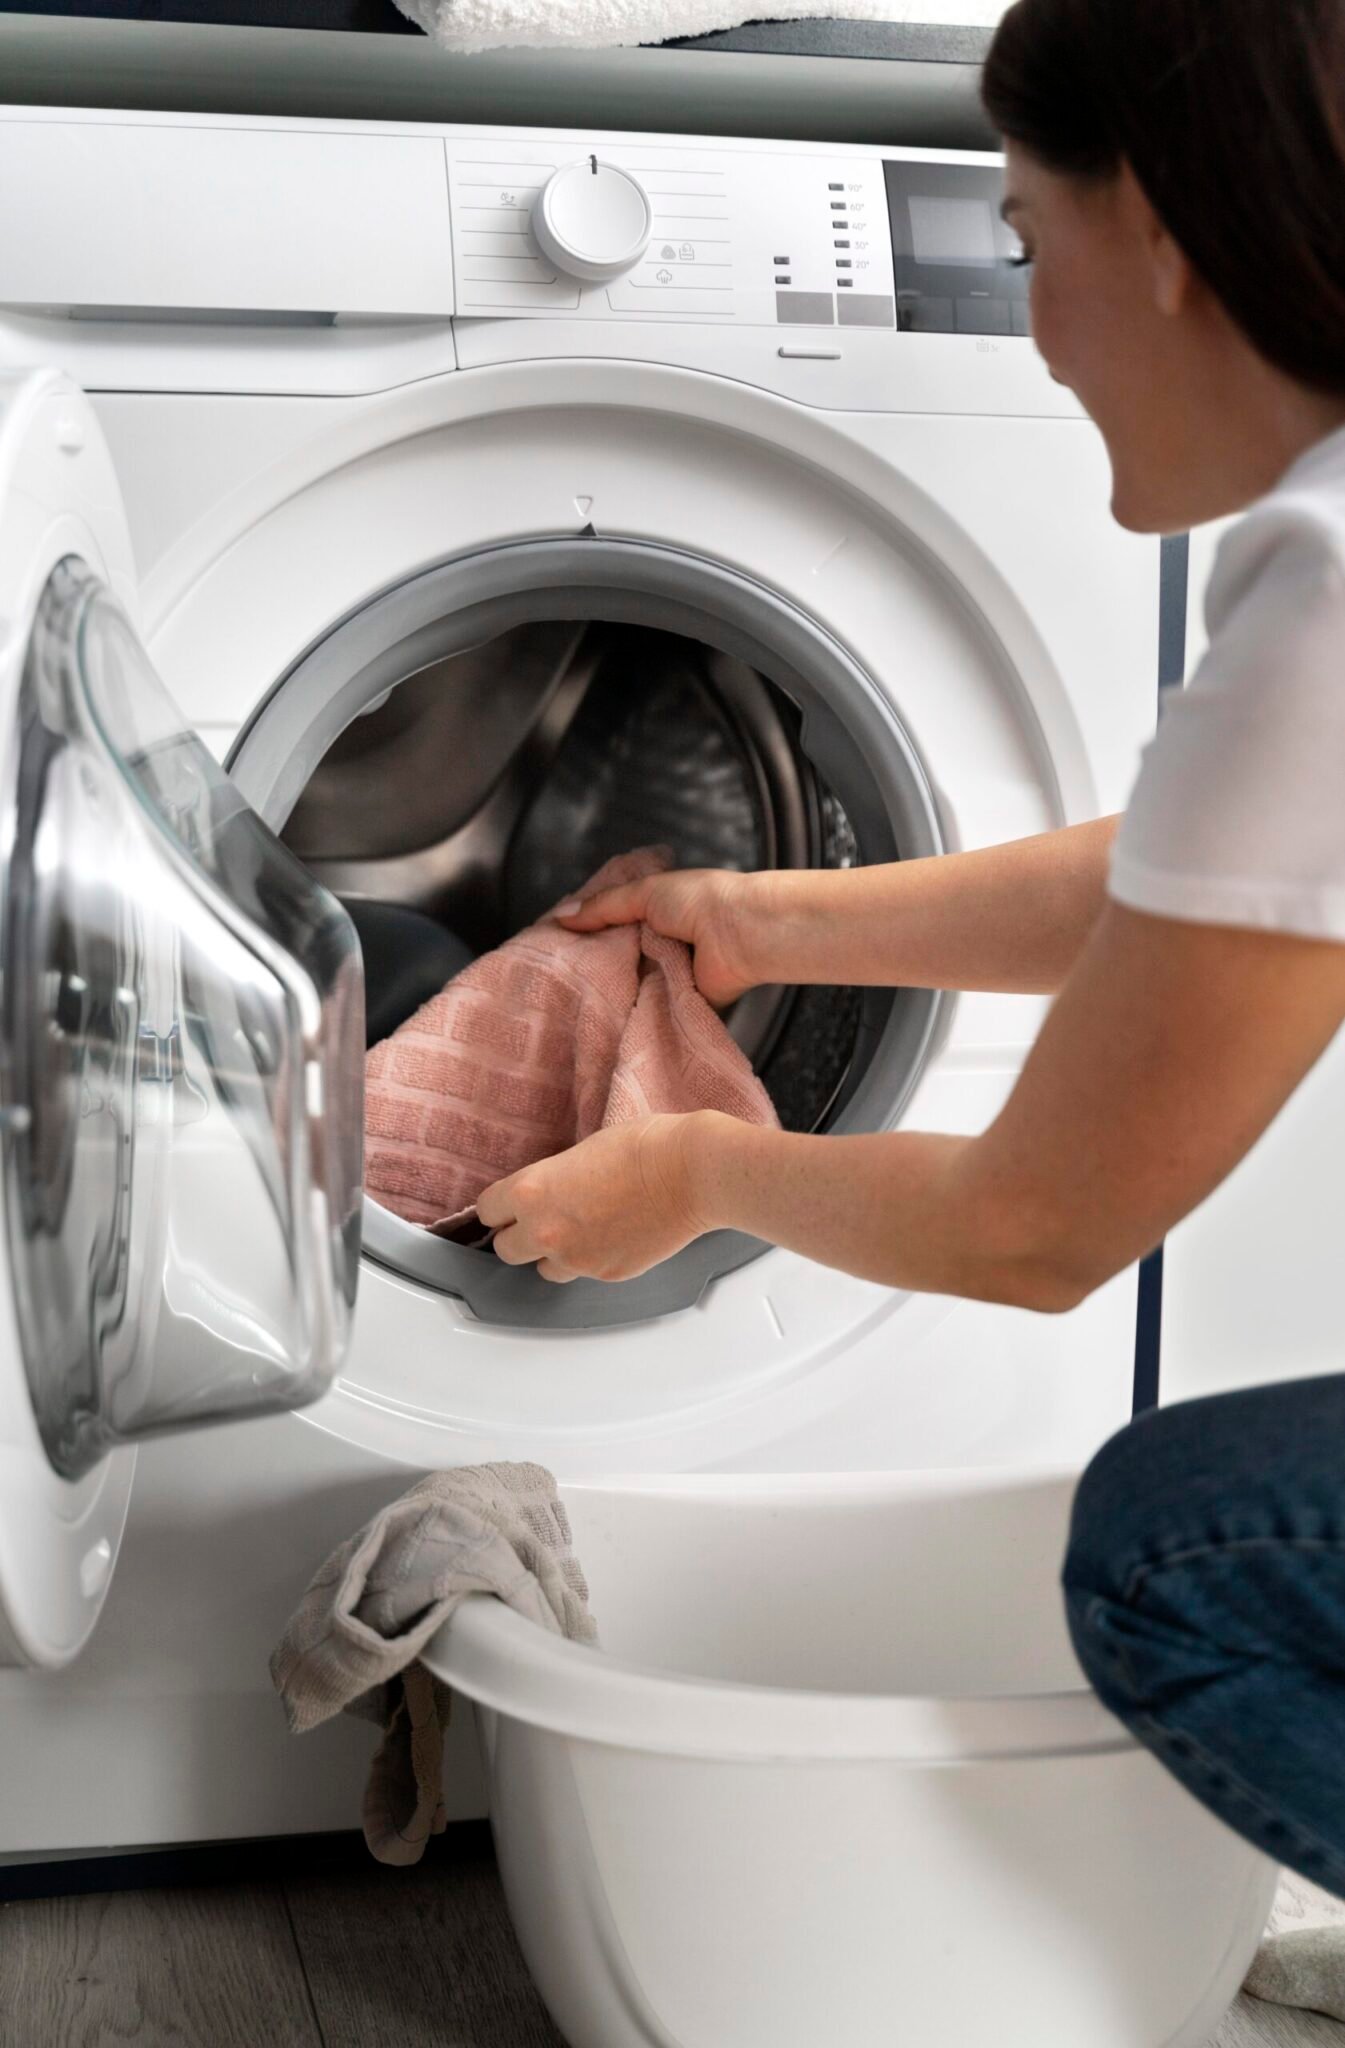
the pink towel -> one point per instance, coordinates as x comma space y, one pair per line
537, 1045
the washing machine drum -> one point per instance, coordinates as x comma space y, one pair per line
450, 764
485, 788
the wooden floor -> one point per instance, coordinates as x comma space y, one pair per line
356, 1958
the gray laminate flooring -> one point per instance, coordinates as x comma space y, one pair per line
356, 1958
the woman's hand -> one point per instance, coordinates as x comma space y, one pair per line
608, 1209
708, 908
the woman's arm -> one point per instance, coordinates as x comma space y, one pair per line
1010, 917
1167, 1054
1170, 1049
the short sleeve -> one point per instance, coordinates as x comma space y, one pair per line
1238, 813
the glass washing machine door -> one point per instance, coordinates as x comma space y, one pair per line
181, 1055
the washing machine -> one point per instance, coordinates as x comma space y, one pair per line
412, 516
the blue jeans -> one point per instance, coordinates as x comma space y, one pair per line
1205, 1590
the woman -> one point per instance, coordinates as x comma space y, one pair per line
1176, 173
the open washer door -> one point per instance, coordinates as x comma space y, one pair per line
181, 1055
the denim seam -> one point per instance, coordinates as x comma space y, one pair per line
1294, 1833
1098, 1607
1152, 1566
1113, 1646
1166, 1738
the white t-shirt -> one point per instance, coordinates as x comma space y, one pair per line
1238, 813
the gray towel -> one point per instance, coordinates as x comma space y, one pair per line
1301, 1960
352, 1644
1305, 1968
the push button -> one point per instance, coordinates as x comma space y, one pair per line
805, 309
867, 309
927, 314
983, 316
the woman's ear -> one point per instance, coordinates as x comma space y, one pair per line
1167, 262
1173, 274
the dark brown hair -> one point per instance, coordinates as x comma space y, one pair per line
1231, 113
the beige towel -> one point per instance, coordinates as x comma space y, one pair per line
1305, 1968
353, 1642
533, 1047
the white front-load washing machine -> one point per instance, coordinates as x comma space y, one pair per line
487, 501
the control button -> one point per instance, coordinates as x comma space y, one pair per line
924, 314
840, 245
805, 309
844, 284
782, 262
834, 185
844, 263
867, 309
783, 277
983, 316
592, 219
838, 206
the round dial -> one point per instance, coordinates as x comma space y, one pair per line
592, 219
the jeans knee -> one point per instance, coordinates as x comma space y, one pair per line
1110, 1518
1100, 1656
1140, 1495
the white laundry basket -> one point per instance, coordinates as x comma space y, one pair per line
835, 1776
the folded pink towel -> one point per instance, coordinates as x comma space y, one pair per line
538, 1045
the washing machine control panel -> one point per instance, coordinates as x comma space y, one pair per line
747, 234
648, 231
378, 253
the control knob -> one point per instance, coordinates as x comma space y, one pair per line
592, 219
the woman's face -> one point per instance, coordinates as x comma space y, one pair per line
1100, 289
1121, 319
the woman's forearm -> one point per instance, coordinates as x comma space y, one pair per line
908, 1209
1010, 917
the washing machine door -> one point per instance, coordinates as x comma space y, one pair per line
181, 1055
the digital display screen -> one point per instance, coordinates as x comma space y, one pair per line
951, 230
952, 255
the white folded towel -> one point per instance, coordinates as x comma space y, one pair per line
466, 25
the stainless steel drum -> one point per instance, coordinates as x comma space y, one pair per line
496, 781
